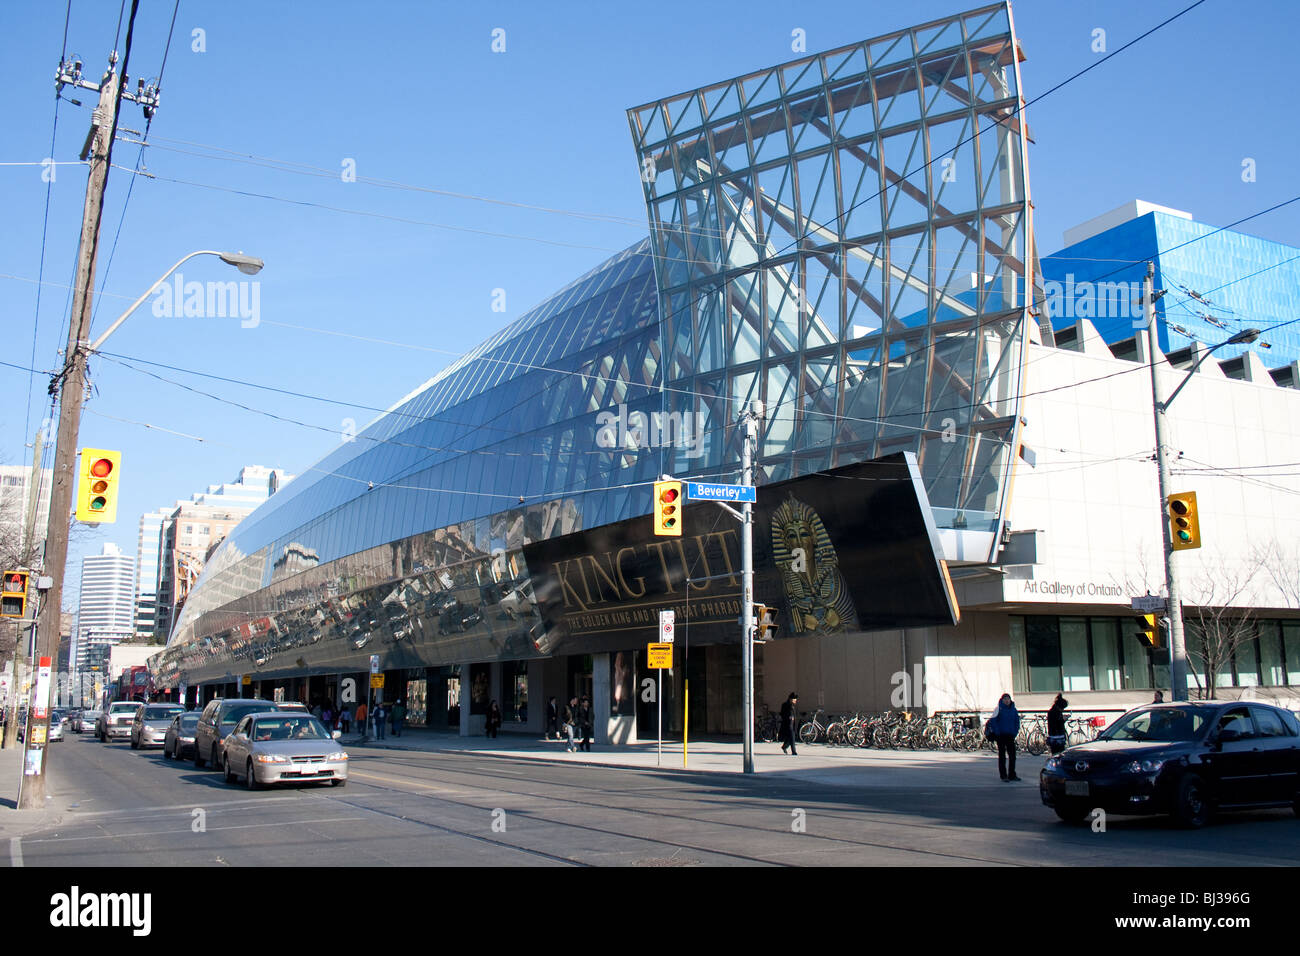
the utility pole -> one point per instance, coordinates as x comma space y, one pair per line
1177, 648
71, 383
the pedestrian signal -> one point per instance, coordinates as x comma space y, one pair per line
1148, 632
97, 485
764, 623
668, 508
13, 599
1184, 525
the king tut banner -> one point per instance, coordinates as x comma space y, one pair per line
848, 550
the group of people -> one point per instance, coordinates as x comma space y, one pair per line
341, 718
576, 719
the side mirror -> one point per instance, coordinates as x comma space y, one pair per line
1227, 735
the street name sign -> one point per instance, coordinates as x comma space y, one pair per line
712, 491
1148, 603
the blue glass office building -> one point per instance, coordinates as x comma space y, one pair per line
846, 238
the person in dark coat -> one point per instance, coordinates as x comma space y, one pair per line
587, 721
1004, 725
789, 714
552, 719
570, 720
493, 719
1056, 725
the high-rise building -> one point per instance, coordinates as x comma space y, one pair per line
106, 606
22, 529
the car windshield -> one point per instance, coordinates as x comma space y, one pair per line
122, 708
289, 728
189, 723
160, 713
1160, 724
235, 714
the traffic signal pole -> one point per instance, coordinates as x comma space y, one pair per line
749, 422
1177, 648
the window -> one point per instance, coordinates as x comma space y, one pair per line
1291, 652
1271, 671
1043, 653
1074, 654
1269, 723
1106, 667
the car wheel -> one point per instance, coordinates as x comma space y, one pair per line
1071, 812
252, 778
1191, 804
135, 743
229, 774
167, 754
198, 756
337, 782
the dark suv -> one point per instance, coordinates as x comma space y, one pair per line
1185, 759
218, 720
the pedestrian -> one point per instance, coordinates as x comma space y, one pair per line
788, 715
552, 719
1056, 725
361, 719
587, 720
316, 711
399, 717
570, 717
379, 717
1160, 697
345, 719
327, 717
493, 719
1002, 727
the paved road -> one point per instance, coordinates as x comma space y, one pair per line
112, 805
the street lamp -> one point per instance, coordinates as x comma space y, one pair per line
1177, 646
249, 265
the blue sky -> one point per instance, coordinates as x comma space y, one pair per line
413, 93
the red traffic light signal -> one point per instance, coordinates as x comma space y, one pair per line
13, 598
668, 509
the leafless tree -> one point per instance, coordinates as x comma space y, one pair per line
1282, 565
1218, 612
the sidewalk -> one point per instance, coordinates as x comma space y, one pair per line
839, 766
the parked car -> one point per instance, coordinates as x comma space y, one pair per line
217, 721
116, 721
293, 705
284, 747
84, 720
149, 729
1186, 759
178, 742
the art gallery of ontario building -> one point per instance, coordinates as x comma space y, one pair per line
955, 492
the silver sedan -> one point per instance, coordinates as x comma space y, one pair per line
149, 729
267, 748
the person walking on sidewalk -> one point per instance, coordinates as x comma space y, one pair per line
788, 717
493, 720
399, 718
345, 719
570, 718
552, 719
380, 718
361, 719
1003, 727
587, 720
1056, 725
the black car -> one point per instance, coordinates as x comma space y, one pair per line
1184, 759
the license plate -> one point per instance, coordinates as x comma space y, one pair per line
306, 769
1076, 788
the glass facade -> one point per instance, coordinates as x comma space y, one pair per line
844, 238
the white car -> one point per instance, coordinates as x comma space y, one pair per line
279, 747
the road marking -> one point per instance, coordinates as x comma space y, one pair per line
404, 781
242, 826
15, 851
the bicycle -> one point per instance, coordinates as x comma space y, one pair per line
813, 729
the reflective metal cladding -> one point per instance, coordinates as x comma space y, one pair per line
845, 237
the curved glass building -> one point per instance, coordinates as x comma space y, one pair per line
845, 238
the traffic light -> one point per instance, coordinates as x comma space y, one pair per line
1184, 526
1148, 632
764, 621
97, 485
13, 599
668, 508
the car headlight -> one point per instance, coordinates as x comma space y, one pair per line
1143, 766
1053, 763
272, 758
338, 755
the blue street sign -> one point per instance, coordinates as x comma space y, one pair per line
710, 491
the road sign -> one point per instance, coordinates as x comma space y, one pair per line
712, 491
1148, 603
374, 666
659, 655
376, 681
666, 620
